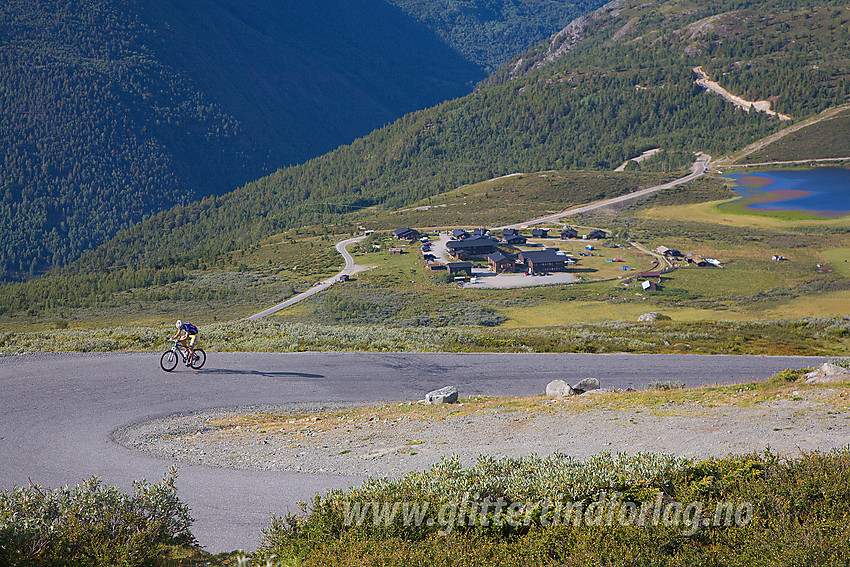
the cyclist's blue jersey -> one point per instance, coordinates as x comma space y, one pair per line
190, 328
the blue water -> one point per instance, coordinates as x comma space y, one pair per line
829, 189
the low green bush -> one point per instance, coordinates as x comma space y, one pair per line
92, 525
756, 509
789, 375
665, 385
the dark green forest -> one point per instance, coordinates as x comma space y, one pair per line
789, 52
489, 32
112, 110
599, 104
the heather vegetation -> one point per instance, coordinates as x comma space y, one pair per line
825, 139
92, 524
756, 509
812, 336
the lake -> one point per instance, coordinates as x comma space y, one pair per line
823, 190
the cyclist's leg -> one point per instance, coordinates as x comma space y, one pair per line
191, 346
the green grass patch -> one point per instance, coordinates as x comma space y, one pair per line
512, 198
824, 139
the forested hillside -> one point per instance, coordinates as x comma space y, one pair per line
112, 110
489, 32
791, 53
625, 84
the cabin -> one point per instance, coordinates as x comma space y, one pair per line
472, 246
460, 268
698, 261
569, 233
546, 260
516, 240
406, 233
500, 263
459, 234
596, 234
480, 232
668, 252
540, 233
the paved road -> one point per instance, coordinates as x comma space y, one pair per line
58, 411
349, 269
697, 170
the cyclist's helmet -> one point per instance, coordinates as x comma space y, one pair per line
179, 324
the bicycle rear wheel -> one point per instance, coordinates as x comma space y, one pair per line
200, 358
168, 362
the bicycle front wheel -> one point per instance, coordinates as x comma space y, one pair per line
200, 358
168, 362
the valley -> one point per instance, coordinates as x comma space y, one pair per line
371, 207
455, 165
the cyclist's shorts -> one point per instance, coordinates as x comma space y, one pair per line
192, 339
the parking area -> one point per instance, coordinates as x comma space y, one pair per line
486, 278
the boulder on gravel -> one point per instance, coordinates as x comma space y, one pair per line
827, 373
653, 316
446, 395
558, 389
586, 385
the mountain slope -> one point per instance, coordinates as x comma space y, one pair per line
489, 32
113, 110
625, 84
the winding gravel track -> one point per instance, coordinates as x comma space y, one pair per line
60, 410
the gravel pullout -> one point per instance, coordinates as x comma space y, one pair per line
390, 441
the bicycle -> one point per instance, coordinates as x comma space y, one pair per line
169, 358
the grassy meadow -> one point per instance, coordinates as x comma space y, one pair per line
825, 139
405, 299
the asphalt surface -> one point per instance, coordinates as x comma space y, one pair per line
59, 411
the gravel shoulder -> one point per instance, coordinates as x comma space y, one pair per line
393, 438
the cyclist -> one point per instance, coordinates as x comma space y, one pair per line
187, 335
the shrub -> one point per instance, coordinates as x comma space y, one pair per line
789, 375
666, 385
795, 512
92, 524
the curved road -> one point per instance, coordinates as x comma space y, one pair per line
698, 169
59, 411
349, 269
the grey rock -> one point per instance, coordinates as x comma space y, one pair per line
826, 374
653, 316
558, 389
586, 385
446, 395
